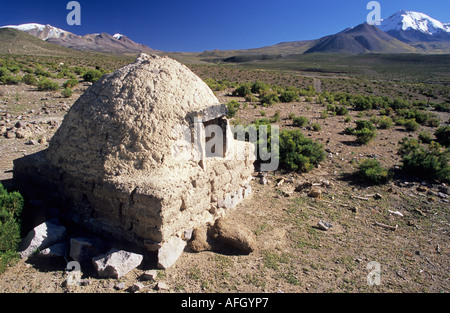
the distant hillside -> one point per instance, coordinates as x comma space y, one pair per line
13, 41
103, 42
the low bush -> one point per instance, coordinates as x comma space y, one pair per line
269, 98
300, 121
233, 107
443, 135
411, 125
385, 122
372, 171
289, 96
67, 93
429, 162
425, 137
71, 83
29, 79
299, 153
11, 205
47, 84
93, 75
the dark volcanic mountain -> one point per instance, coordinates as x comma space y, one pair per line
360, 39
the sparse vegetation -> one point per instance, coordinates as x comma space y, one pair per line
430, 162
11, 205
372, 171
47, 84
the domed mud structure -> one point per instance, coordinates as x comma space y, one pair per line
145, 155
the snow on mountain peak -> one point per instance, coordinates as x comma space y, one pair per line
118, 36
43, 32
410, 20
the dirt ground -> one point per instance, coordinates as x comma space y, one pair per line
293, 255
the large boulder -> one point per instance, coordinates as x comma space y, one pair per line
42, 237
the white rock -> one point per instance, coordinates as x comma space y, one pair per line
170, 251
42, 237
116, 263
58, 250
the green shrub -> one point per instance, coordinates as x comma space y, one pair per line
93, 75
298, 153
275, 118
269, 98
233, 107
316, 127
10, 80
385, 122
365, 131
243, 90
4, 71
425, 137
11, 205
39, 71
372, 171
29, 79
443, 135
411, 125
288, 96
71, 83
348, 119
442, 107
47, 84
341, 110
67, 93
258, 87
300, 121
324, 114
365, 135
429, 162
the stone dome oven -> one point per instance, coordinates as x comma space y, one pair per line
134, 158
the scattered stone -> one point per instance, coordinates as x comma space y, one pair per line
324, 225
162, 286
31, 143
263, 180
83, 249
20, 124
137, 287
55, 251
303, 186
170, 251
377, 196
10, 134
116, 263
422, 189
199, 240
119, 286
236, 236
42, 237
150, 275
315, 193
3, 130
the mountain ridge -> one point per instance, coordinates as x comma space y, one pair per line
100, 42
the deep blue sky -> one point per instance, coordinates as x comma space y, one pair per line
198, 25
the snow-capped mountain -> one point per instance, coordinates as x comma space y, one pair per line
118, 44
43, 32
410, 26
